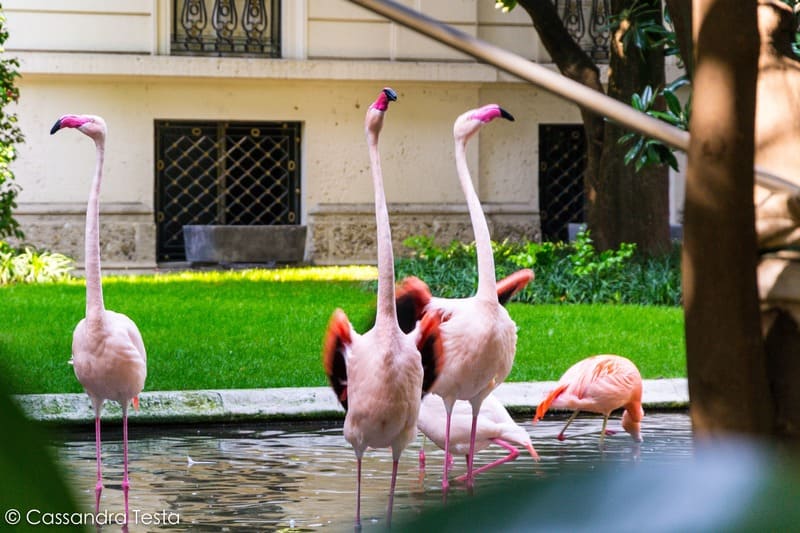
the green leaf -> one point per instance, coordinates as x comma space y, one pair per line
673, 104
647, 96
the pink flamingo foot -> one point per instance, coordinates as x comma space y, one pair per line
561, 436
610, 432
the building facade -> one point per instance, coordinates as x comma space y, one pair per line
251, 112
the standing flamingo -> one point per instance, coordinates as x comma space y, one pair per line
378, 376
495, 425
599, 384
479, 336
108, 353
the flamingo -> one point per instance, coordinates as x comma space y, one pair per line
378, 377
599, 384
478, 335
495, 425
108, 353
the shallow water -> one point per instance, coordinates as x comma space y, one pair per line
279, 475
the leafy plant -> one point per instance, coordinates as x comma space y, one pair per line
10, 134
32, 266
647, 151
586, 261
565, 272
639, 26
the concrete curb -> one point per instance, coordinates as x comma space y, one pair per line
208, 406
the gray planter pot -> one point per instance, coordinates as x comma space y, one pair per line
244, 244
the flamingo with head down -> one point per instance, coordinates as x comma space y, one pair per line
108, 353
599, 384
495, 425
378, 376
479, 336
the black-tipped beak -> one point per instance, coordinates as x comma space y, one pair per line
56, 127
506, 115
390, 94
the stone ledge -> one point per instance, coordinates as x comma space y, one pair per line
209, 406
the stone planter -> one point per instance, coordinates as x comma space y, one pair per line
244, 244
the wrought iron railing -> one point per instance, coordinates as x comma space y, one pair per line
587, 22
226, 27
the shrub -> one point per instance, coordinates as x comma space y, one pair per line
565, 272
32, 266
10, 135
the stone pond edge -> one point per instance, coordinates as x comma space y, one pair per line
300, 403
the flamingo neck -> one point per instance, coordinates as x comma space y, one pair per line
487, 285
386, 312
94, 288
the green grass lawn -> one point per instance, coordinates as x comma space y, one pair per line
254, 329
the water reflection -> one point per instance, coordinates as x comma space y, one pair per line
302, 474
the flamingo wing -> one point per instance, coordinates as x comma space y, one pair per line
338, 339
512, 284
411, 296
431, 349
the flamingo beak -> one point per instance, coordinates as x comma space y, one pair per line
390, 94
506, 115
56, 127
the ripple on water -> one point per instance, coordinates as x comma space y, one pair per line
266, 476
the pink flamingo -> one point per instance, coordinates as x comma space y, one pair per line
599, 384
378, 376
495, 425
108, 353
479, 336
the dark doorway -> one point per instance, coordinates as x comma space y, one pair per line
562, 162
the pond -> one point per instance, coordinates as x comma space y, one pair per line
302, 474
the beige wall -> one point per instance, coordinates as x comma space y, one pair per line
112, 59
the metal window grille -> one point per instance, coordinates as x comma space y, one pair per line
562, 162
587, 22
236, 173
226, 27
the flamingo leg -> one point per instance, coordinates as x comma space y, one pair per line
571, 418
126, 485
98, 488
513, 453
358, 493
445, 482
471, 456
422, 454
603, 430
391, 493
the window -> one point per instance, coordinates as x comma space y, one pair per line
226, 173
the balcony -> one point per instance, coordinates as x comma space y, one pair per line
587, 22
230, 28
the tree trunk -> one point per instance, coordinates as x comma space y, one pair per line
636, 204
680, 11
575, 64
621, 205
725, 354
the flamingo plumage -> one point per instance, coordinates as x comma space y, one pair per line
378, 376
108, 354
478, 335
599, 384
495, 425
